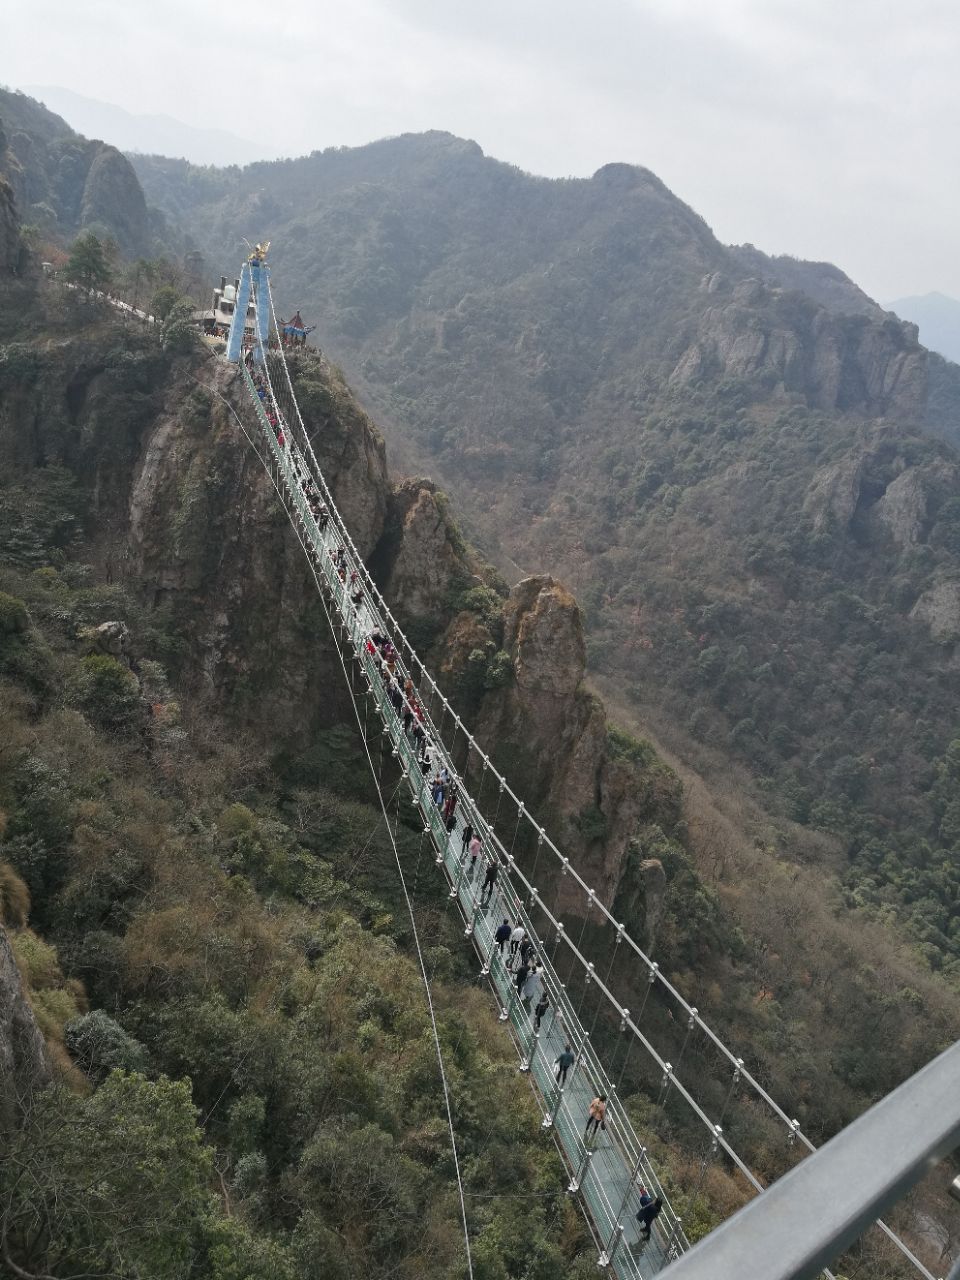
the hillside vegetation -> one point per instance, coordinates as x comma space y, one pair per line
228, 928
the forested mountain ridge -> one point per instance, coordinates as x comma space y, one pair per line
741, 464
197, 906
64, 182
208, 869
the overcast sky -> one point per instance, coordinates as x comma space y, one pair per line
822, 128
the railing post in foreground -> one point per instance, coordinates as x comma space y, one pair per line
505, 1013
550, 1117
610, 1252
472, 922
672, 1247
527, 1063
634, 1178
580, 1177
488, 962
455, 890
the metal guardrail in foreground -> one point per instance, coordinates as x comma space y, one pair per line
801, 1223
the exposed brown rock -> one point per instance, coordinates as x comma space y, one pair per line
426, 559
847, 362
9, 230
553, 732
903, 508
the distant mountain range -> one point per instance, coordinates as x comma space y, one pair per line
150, 134
731, 458
938, 318
744, 466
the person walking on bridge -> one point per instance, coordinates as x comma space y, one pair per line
516, 938
596, 1116
563, 1064
502, 936
489, 882
648, 1215
532, 987
450, 806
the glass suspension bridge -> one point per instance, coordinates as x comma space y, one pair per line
794, 1229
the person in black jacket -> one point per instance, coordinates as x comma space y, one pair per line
647, 1215
502, 936
489, 882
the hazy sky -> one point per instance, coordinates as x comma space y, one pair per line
822, 128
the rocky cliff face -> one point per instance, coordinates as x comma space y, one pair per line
112, 198
548, 733
208, 538
421, 556
9, 230
836, 362
182, 513
10, 246
881, 489
64, 183
23, 1063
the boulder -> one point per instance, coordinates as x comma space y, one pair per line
108, 637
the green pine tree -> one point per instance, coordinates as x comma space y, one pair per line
88, 265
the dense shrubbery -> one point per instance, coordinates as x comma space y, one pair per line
250, 944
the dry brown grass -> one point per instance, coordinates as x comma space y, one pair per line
14, 898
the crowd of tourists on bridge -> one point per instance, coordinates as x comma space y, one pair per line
511, 942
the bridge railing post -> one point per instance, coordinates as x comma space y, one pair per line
632, 1184
608, 1254
580, 1177
549, 1119
506, 1012
472, 923
529, 1057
